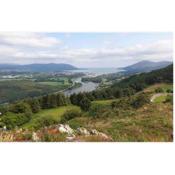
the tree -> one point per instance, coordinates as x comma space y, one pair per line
52, 101
20, 107
34, 105
45, 102
61, 99
85, 104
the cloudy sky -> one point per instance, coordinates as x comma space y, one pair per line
85, 49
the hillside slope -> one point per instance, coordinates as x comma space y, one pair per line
36, 67
146, 66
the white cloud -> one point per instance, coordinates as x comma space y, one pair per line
27, 48
28, 39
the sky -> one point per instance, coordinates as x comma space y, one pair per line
85, 49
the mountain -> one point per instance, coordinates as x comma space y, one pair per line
36, 67
146, 66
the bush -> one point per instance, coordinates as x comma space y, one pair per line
3, 109
20, 107
85, 104
12, 120
169, 99
159, 90
169, 90
100, 111
42, 122
140, 100
123, 103
34, 105
70, 114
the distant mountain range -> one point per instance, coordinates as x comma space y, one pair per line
146, 66
142, 66
36, 67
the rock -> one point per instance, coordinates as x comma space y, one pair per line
71, 137
4, 128
65, 129
83, 131
35, 137
62, 129
69, 129
103, 135
94, 132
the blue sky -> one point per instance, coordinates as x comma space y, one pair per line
85, 49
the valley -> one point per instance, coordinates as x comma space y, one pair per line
120, 107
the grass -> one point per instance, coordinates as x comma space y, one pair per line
20, 89
164, 86
54, 114
103, 102
160, 99
151, 123
51, 83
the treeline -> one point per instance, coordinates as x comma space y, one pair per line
20, 112
127, 87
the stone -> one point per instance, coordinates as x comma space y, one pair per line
35, 137
83, 131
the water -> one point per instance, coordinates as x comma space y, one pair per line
97, 71
86, 87
89, 86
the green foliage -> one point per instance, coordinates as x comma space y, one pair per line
34, 105
159, 90
53, 100
169, 90
70, 114
81, 100
140, 100
4, 109
123, 103
85, 104
19, 89
169, 99
12, 120
101, 111
20, 107
43, 121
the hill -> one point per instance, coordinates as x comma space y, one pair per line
146, 66
36, 67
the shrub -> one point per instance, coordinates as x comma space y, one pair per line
42, 122
3, 109
12, 120
159, 90
100, 111
85, 104
169, 90
70, 114
169, 99
20, 107
140, 100
123, 103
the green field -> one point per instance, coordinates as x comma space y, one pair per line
103, 102
54, 114
51, 83
12, 90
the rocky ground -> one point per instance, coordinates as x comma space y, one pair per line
55, 133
